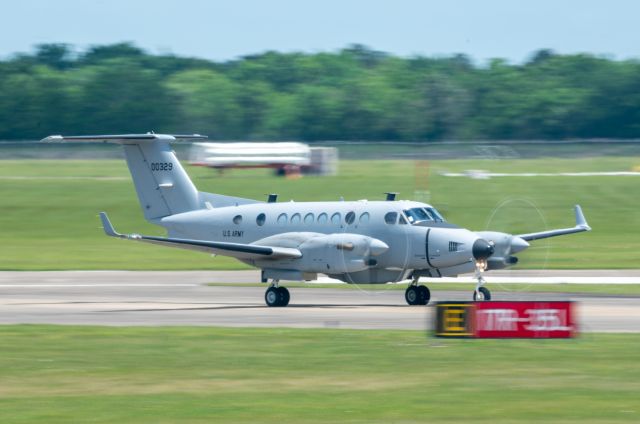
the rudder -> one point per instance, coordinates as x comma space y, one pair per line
162, 184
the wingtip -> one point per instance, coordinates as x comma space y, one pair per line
52, 139
581, 221
107, 227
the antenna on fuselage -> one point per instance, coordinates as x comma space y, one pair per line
391, 195
273, 198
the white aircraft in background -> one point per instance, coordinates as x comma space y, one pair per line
372, 242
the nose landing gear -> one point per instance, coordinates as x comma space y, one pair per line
417, 294
481, 292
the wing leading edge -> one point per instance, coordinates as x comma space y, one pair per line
235, 250
581, 225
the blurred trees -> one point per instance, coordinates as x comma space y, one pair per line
354, 94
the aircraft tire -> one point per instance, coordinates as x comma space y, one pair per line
412, 295
484, 294
283, 296
424, 295
272, 297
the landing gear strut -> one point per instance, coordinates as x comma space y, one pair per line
276, 295
481, 292
417, 294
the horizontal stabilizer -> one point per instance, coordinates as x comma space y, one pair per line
236, 250
122, 138
581, 225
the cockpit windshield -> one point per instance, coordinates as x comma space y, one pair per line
416, 215
436, 215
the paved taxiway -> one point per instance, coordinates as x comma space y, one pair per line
183, 298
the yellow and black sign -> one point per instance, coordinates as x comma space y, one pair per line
454, 319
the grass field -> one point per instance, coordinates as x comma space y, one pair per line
49, 221
196, 375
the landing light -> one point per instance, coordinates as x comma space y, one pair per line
482, 265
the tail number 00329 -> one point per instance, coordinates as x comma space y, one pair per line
161, 166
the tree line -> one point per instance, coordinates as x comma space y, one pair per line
353, 94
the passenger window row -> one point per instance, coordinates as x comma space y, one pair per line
391, 218
323, 218
310, 218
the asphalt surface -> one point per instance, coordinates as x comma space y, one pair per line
121, 298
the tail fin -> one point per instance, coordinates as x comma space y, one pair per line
162, 185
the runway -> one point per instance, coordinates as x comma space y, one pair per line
121, 298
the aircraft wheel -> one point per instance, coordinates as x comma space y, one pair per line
482, 293
423, 295
412, 295
272, 297
283, 296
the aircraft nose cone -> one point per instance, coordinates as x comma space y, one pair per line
482, 249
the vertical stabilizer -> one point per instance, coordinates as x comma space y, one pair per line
162, 184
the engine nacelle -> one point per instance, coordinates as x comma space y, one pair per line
505, 246
448, 247
501, 263
339, 253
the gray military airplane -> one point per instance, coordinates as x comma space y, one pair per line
361, 241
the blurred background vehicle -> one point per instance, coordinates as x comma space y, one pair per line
286, 158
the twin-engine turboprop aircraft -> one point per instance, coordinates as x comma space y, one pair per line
364, 241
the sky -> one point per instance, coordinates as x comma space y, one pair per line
225, 30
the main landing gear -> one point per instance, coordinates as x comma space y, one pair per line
417, 295
276, 295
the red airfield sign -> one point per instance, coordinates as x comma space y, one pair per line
524, 319
508, 319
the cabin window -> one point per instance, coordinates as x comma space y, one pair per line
296, 218
237, 219
308, 218
282, 218
350, 217
402, 221
260, 219
335, 218
391, 217
364, 218
323, 218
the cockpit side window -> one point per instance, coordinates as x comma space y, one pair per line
417, 215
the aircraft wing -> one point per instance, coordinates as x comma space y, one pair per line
581, 225
236, 250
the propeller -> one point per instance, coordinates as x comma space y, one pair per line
504, 246
520, 216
